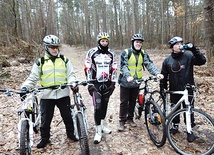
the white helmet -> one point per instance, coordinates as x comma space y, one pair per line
51, 40
174, 40
102, 35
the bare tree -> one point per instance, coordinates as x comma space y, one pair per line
209, 28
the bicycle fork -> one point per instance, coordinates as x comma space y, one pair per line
75, 122
30, 129
188, 112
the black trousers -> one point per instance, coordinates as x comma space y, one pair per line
100, 99
47, 111
128, 98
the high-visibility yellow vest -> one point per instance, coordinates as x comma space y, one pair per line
53, 73
135, 66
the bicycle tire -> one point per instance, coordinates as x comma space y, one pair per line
35, 114
25, 148
155, 123
83, 138
203, 130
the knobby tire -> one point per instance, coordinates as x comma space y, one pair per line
35, 114
83, 138
203, 130
155, 123
24, 139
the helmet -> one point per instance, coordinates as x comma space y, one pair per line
137, 37
102, 35
51, 40
174, 40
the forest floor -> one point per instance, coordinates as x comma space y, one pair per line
133, 141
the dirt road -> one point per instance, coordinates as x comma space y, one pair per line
133, 141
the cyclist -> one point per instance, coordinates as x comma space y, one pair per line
101, 64
52, 69
178, 69
132, 62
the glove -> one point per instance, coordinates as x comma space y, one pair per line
63, 86
92, 88
112, 86
110, 89
192, 49
23, 93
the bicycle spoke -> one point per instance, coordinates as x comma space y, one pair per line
203, 131
155, 123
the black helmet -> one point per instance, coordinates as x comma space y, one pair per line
137, 37
174, 40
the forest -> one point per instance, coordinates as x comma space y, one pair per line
24, 24
78, 22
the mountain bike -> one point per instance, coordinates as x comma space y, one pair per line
78, 111
148, 101
28, 118
202, 127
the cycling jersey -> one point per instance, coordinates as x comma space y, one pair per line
101, 65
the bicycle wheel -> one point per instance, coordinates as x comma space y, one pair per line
25, 148
203, 130
35, 114
83, 138
155, 123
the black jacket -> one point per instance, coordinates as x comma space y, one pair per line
178, 69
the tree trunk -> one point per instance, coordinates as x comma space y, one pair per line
209, 29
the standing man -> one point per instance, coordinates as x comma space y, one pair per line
132, 62
178, 70
52, 69
101, 64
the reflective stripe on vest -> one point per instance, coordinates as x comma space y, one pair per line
133, 68
53, 73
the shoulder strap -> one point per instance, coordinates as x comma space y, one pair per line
128, 52
42, 60
142, 54
64, 58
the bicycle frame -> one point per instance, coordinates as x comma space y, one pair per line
147, 94
146, 88
184, 99
25, 114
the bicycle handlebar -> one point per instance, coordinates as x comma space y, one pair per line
59, 86
146, 79
77, 83
10, 91
187, 86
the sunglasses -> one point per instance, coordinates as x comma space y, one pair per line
54, 47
